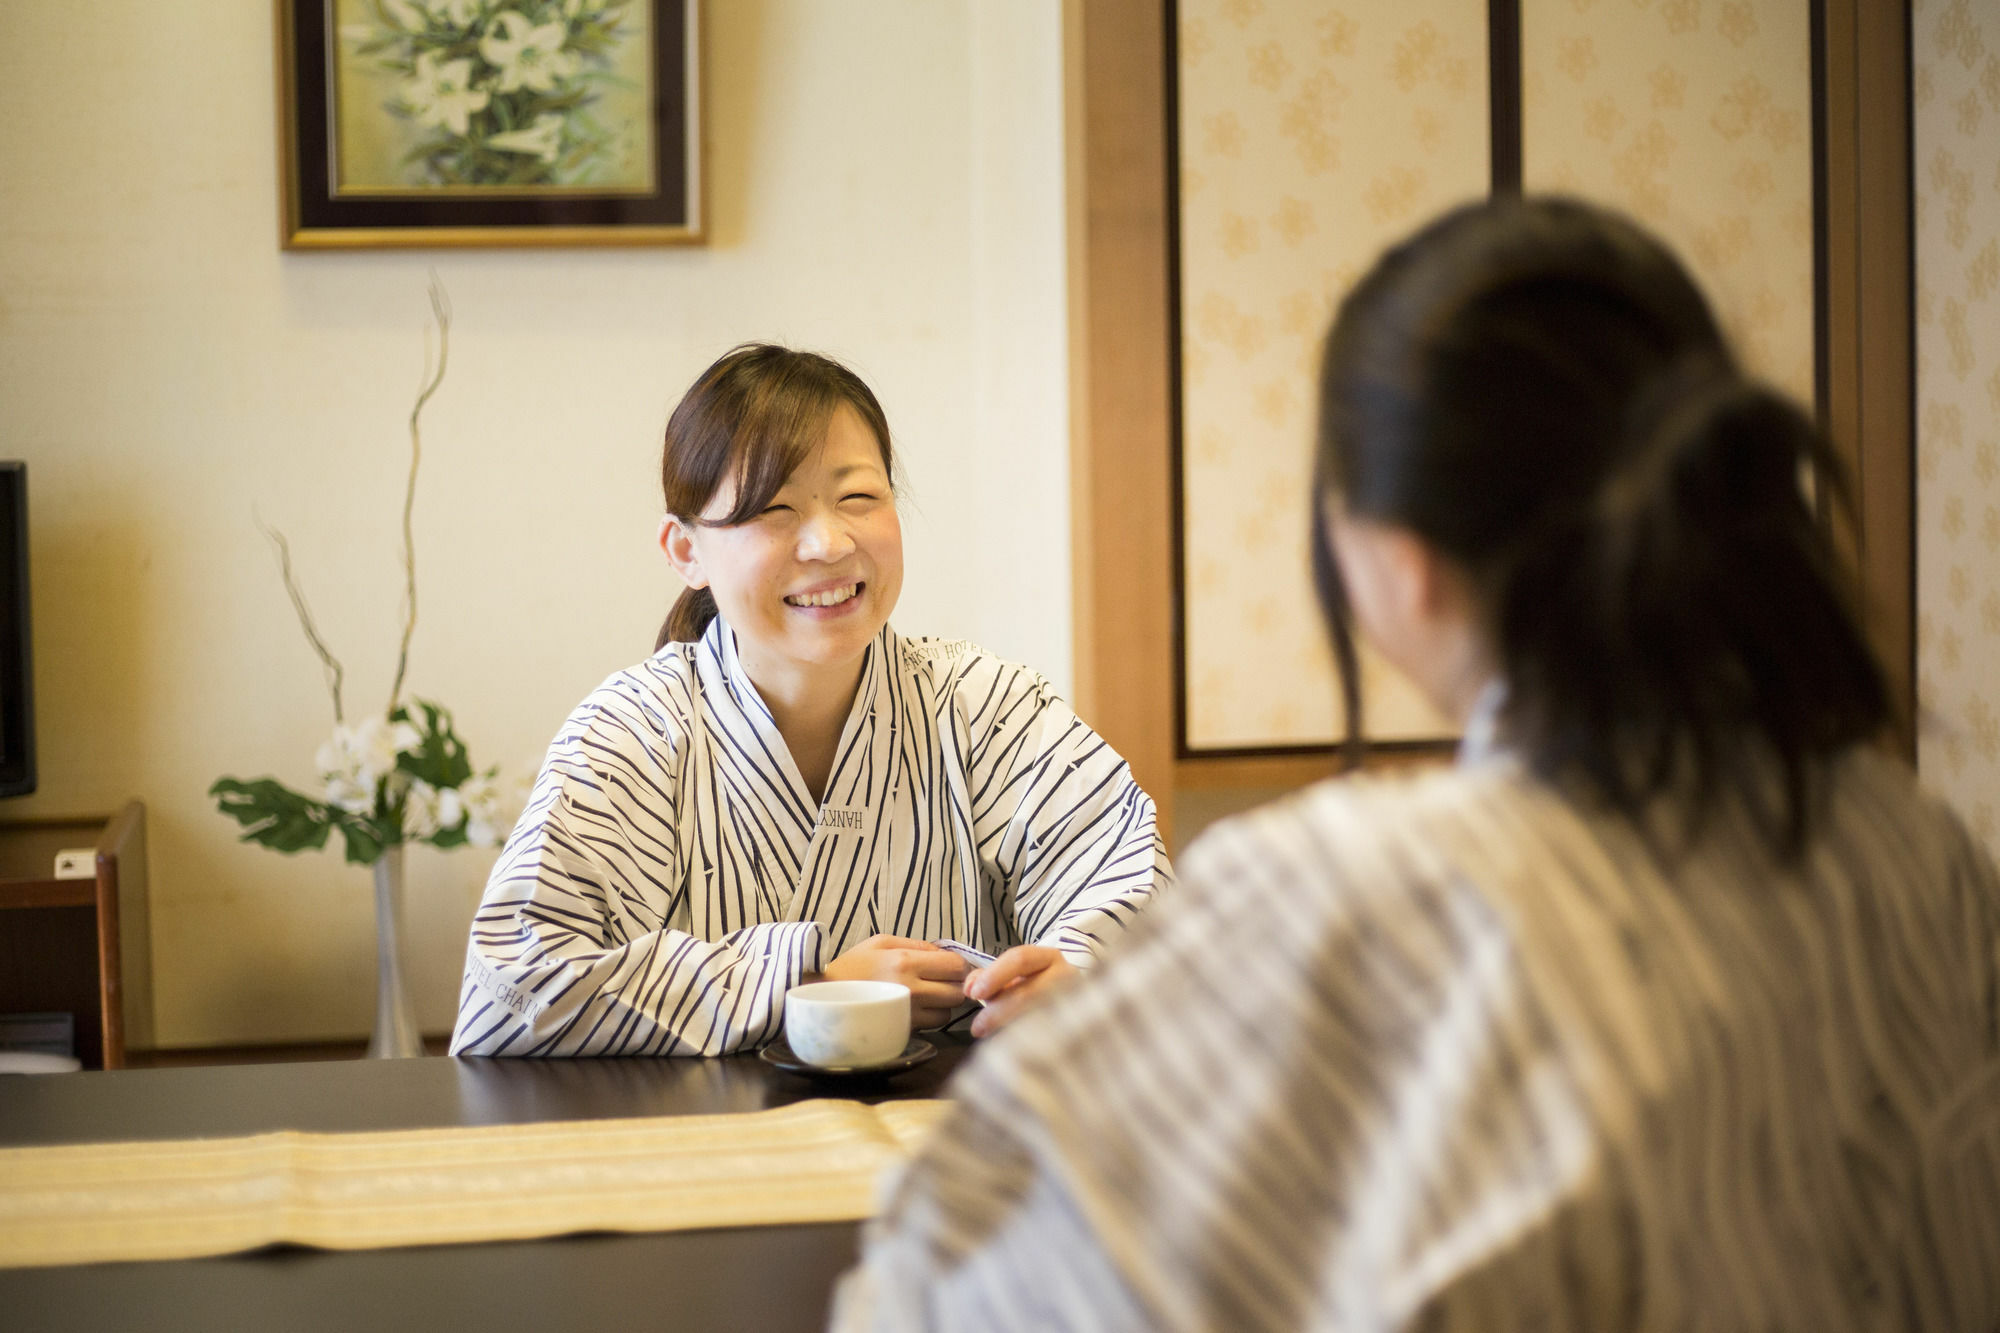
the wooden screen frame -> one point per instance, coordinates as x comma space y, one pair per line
1123, 402
1865, 288
1121, 386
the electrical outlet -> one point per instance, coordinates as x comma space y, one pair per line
77, 863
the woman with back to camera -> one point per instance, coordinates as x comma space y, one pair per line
1671, 1006
788, 790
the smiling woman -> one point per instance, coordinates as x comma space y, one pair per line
772, 455
788, 790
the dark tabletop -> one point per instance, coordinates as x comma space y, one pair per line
769, 1279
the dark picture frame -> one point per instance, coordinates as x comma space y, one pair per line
318, 212
17, 656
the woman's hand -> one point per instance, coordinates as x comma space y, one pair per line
1017, 981
933, 975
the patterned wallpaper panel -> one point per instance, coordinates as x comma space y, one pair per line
1956, 92
1695, 116
1311, 135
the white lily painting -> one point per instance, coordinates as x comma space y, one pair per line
492, 95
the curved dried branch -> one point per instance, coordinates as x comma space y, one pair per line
441, 311
328, 663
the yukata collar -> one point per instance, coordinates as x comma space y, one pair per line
1481, 740
718, 641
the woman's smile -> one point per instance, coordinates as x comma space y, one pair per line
824, 601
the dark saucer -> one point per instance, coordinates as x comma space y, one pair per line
780, 1054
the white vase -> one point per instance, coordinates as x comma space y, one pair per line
395, 1023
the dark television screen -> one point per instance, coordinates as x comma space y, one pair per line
17, 693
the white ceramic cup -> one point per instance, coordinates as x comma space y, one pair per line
847, 1024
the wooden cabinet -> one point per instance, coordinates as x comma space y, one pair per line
79, 946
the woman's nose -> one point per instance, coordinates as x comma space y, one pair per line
823, 537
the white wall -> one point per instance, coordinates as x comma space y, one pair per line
885, 183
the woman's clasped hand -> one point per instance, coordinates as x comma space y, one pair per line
1017, 980
941, 982
935, 977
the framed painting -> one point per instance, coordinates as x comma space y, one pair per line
489, 122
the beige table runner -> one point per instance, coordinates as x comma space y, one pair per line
817, 1161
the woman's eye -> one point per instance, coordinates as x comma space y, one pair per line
859, 495
774, 509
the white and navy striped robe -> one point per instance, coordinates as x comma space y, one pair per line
672, 877
1449, 1053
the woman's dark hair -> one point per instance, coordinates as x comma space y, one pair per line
751, 418
1537, 388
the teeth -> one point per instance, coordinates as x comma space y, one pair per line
831, 597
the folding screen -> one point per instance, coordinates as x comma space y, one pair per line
1697, 119
1312, 134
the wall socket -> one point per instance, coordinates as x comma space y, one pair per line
77, 863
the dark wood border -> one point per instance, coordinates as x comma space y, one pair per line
313, 217
1282, 754
1503, 88
17, 652
1176, 445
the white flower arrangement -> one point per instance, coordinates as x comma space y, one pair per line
399, 776
503, 88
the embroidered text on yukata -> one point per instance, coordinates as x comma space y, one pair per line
505, 994
935, 652
842, 818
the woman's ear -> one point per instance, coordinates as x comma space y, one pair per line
1397, 585
677, 541
1375, 568
1415, 606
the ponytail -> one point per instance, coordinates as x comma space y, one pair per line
1538, 389
688, 620
1687, 627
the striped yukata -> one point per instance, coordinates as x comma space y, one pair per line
1450, 1053
672, 876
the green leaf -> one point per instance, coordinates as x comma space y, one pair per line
440, 759
272, 814
365, 839
447, 838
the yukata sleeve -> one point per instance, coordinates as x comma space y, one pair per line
1062, 828
1278, 1106
571, 953
1962, 1143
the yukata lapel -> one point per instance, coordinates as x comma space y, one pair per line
747, 820
849, 846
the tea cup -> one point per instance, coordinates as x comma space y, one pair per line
847, 1024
